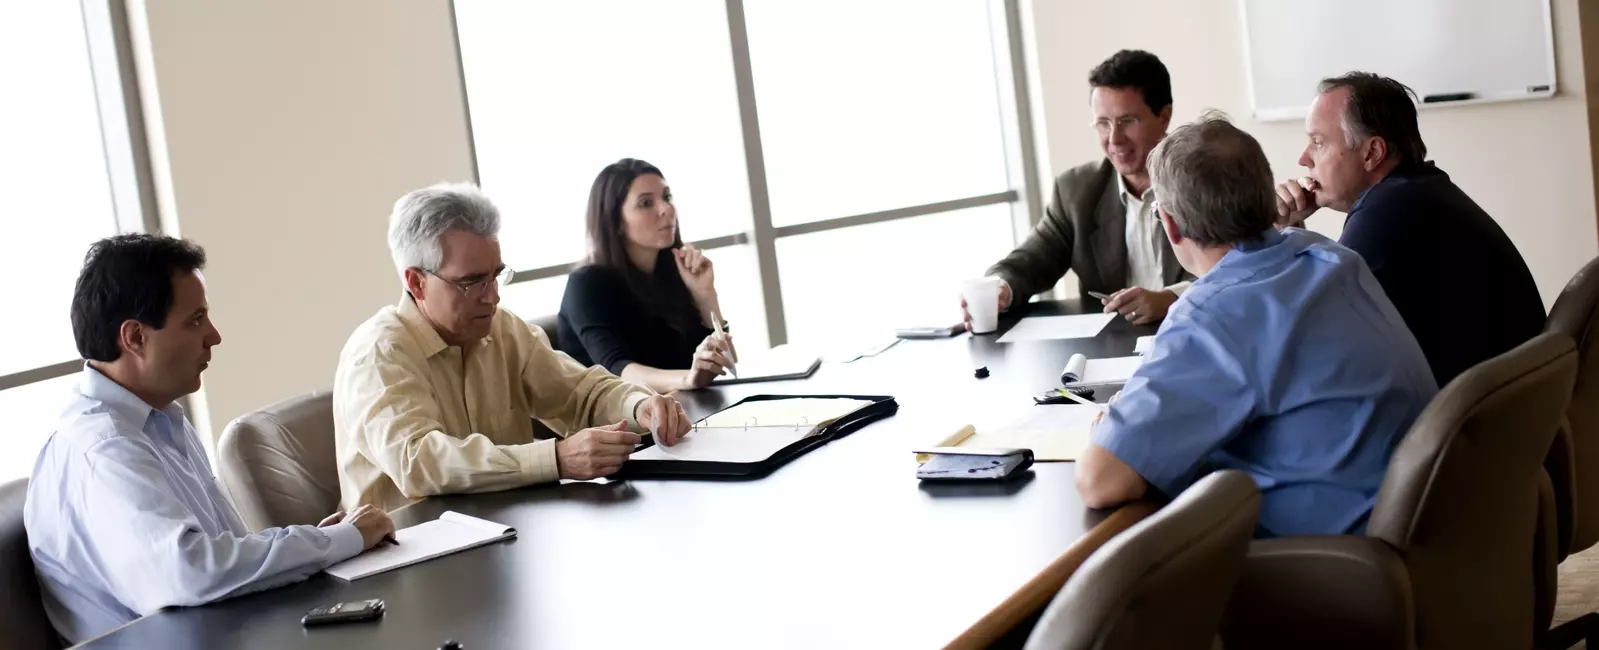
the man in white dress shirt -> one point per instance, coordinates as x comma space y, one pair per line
124, 515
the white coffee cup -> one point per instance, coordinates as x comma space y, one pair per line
982, 302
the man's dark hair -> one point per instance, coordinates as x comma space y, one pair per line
1381, 107
127, 277
1135, 69
1215, 182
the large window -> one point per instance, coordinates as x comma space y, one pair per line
844, 162
66, 169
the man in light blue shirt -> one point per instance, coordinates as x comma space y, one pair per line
1285, 359
124, 516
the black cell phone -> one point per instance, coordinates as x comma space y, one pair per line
351, 612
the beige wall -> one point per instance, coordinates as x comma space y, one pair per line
283, 132
1527, 163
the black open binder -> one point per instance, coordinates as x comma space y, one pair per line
881, 406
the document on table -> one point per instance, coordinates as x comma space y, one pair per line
1144, 345
1114, 370
1054, 432
452, 532
1045, 328
751, 432
814, 411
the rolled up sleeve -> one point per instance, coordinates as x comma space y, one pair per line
1187, 400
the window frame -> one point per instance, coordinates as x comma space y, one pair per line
122, 137
1016, 122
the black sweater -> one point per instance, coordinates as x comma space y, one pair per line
603, 323
1449, 269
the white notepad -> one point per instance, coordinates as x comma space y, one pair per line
452, 532
1045, 328
751, 432
781, 362
1114, 370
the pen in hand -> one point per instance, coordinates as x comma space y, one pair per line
390, 539
716, 324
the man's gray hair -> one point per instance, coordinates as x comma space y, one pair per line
421, 218
1214, 181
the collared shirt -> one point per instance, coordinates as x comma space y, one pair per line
124, 517
1285, 361
414, 416
1144, 268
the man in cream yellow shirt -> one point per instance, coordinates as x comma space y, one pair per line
437, 394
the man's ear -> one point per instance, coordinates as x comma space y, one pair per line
1173, 235
415, 283
131, 337
1165, 118
1376, 153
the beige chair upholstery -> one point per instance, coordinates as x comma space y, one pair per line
278, 464
1162, 583
1573, 462
1453, 556
22, 619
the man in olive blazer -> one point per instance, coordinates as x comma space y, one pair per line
1102, 221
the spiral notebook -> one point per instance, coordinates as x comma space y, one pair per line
452, 532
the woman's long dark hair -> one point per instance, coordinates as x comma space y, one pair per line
664, 295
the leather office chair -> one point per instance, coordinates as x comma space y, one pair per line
1162, 583
278, 464
1452, 556
551, 325
1573, 462
23, 623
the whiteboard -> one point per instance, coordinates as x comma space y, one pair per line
1450, 52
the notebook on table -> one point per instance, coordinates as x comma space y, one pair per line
452, 532
757, 435
1054, 432
781, 362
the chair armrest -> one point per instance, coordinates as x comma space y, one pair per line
1326, 591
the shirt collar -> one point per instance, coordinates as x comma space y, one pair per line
1267, 239
1400, 174
411, 315
1127, 195
95, 385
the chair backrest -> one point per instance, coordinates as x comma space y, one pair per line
1461, 499
551, 325
1162, 583
1576, 315
23, 623
278, 464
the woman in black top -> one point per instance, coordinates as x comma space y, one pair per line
641, 307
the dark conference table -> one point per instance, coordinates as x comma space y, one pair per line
842, 547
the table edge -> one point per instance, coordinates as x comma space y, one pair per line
1037, 592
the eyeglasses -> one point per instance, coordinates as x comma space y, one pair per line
1126, 122
476, 288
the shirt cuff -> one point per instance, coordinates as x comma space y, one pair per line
537, 460
347, 542
630, 411
1180, 287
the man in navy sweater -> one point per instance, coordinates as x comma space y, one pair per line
1456, 278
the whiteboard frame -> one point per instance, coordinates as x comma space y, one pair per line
1299, 112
